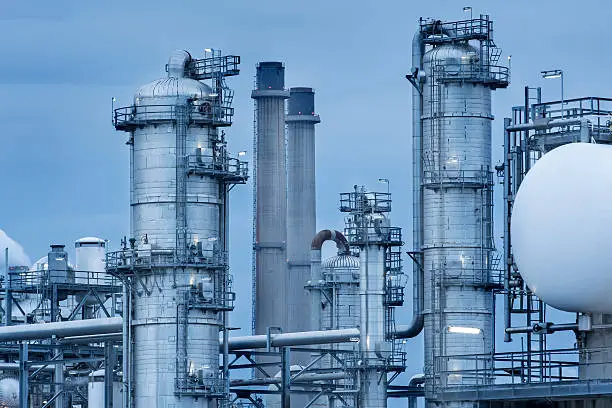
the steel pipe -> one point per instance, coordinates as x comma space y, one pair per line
294, 339
418, 303
544, 329
544, 123
61, 329
303, 379
315, 269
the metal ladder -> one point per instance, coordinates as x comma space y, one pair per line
182, 320
181, 182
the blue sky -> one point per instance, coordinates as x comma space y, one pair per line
64, 170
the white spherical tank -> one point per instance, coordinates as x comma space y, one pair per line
9, 392
562, 226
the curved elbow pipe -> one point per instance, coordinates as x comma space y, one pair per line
177, 64
331, 235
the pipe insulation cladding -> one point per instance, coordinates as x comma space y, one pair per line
561, 224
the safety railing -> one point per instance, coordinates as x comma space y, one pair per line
341, 276
217, 65
393, 262
201, 387
223, 167
42, 278
493, 75
392, 359
207, 113
473, 29
472, 178
517, 367
365, 202
391, 236
128, 259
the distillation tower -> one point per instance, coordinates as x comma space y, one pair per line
175, 266
369, 231
454, 72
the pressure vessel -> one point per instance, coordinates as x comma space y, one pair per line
561, 228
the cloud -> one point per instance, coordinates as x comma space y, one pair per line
17, 256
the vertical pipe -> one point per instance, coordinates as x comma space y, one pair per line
585, 136
301, 203
109, 361
315, 292
285, 377
562, 99
58, 379
126, 348
271, 198
226, 316
507, 206
8, 300
372, 327
23, 375
525, 142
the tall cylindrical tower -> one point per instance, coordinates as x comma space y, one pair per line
176, 262
271, 280
368, 230
454, 180
301, 202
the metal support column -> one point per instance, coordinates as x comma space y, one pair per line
23, 375
109, 363
285, 377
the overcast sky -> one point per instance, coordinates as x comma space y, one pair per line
64, 170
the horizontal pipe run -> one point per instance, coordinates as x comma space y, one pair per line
109, 329
302, 379
294, 339
98, 338
61, 329
540, 328
542, 124
15, 367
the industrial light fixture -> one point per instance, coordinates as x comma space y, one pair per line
213, 95
207, 49
242, 153
386, 181
556, 73
464, 330
468, 8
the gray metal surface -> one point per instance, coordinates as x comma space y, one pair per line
368, 230
179, 229
271, 281
341, 310
301, 204
457, 235
61, 329
453, 195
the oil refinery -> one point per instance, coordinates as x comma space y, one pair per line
147, 323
